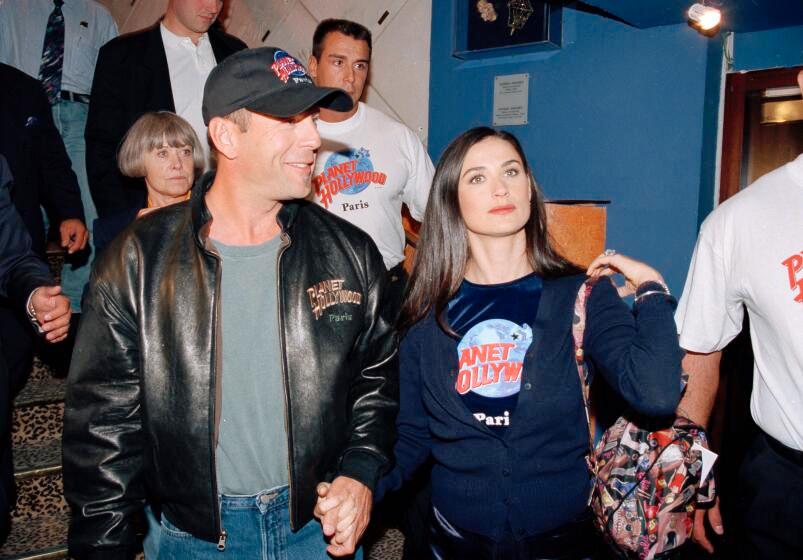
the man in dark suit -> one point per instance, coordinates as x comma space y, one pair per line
25, 280
36, 156
160, 68
43, 177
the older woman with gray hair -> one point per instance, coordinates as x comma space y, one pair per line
164, 150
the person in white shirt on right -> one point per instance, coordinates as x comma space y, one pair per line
749, 255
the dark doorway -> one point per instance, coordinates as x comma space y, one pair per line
756, 138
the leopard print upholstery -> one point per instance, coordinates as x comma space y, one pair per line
37, 455
39, 496
40, 371
37, 423
41, 391
47, 534
388, 546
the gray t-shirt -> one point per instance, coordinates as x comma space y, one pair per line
252, 444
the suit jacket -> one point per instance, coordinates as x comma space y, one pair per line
39, 164
21, 271
131, 78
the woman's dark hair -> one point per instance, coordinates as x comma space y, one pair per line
442, 250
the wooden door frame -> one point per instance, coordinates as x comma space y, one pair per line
737, 87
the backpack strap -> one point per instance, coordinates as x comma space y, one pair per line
578, 332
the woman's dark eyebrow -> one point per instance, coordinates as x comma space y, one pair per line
478, 168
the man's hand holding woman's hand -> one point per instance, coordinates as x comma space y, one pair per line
344, 509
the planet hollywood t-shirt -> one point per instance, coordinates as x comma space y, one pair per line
494, 324
367, 166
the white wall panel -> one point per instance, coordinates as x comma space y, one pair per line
365, 12
294, 33
400, 65
119, 10
250, 19
373, 98
250, 23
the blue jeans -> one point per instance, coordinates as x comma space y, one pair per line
70, 119
257, 528
150, 544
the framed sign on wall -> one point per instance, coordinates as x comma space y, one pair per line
486, 28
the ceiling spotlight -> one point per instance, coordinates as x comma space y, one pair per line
704, 17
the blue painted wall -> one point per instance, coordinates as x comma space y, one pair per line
616, 114
777, 48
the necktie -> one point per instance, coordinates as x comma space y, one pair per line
53, 53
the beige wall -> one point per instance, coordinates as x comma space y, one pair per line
399, 83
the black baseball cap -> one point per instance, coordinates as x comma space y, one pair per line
266, 80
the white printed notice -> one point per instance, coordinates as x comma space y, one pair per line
511, 99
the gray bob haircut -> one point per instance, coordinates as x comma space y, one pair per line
151, 131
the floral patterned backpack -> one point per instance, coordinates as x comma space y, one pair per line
646, 484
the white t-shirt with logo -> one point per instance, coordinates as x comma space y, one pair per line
750, 255
366, 167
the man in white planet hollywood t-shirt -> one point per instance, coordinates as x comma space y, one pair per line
368, 163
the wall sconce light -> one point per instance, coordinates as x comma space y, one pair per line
704, 17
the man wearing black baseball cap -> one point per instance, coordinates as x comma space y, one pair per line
237, 349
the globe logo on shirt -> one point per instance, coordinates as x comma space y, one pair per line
491, 356
356, 170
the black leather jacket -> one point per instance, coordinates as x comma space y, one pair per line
143, 394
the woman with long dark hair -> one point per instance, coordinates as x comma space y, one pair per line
489, 385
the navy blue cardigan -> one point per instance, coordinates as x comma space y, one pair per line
535, 477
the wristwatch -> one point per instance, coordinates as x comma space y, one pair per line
649, 288
31, 310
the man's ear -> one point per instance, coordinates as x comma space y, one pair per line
312, 67
224, 136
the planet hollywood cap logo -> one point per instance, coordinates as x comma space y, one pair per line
285, 67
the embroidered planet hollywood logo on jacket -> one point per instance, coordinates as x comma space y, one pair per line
327, 293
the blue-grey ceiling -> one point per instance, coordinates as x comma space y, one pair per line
737, 15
